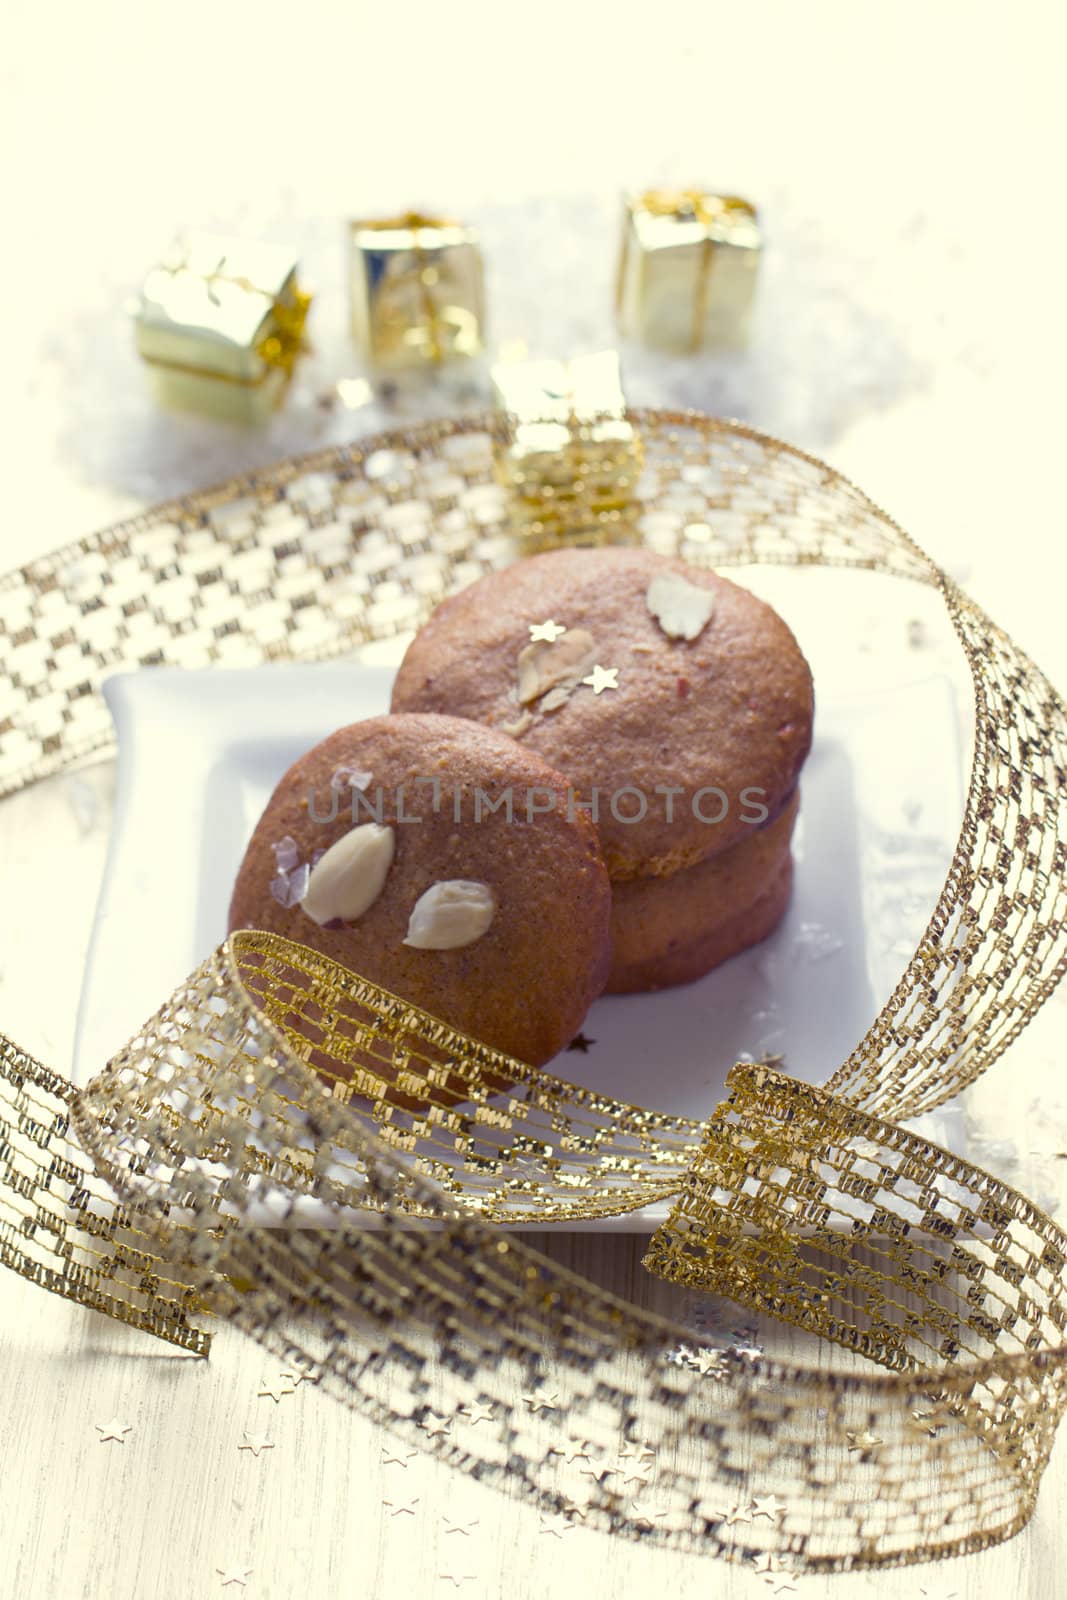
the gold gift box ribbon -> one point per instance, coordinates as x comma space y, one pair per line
277, 348
393, 329
697, 205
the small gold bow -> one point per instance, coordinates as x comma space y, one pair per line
696, 204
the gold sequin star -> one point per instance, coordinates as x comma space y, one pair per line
256, 1442
737, 1513
644, 1517
709, 1364
637, 1476
397, 1508
575, 1452
434, 1425
113, 1430
391, 1459
548, 631
542, 1402
476, 1412
239, 1575
274, 1391
638, 1449
862, 1440
767, 1506
781, 1582
557, 1525
602, 678
459, 1527
599, 1473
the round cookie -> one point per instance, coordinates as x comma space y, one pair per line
687, 962
653, 917
522, 983
728, 709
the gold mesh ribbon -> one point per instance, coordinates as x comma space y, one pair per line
274, 1091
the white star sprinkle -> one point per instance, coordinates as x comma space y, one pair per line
767, 1506
274, 1391
599, 1473
256, 1442
477, 1413
602, 678
113, 1430
938, 1593
557, 1525
639, 1449
548, 631
239, 1575
542, 1402
389, 1459
434, 1425
644, 1517
396, 1508
459, 1527
456, 1578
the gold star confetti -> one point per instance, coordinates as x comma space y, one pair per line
781, 1582
239, 1575
256, 1442
644, 1516
862, 1441
737, 1513
709, 1364
459, 1527
390, 1459
556, 1525
602, 678
297, 1377
476, 1412
767, 1506
398, 1508
456, 1578
434, 1425
548, 631
274, 1391
638, 1450
575, 1451
637, 1476
542, 1402
113, 1430
765, 1562
599, 1473
581, 1043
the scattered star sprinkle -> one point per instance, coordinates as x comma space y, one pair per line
391, 1459
938, 1593
599, 1473
256, 1442
397, 1508
113, 1430
557, 1525
297, 1377
737, 1513
644, 1516
636, 1476
767, 1506
274, 1391
456, 1578
781, 1582
434, 1425
582, 1043
476, 1413
459, 1527
638, 1450
576, 1452
862, 1441
602, 678
548, 631
542, 1402
239, 1575
709, 1364
765, 1562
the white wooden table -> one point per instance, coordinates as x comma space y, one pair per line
115, 148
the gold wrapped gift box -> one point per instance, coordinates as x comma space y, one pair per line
220, 324
417, 290
687, 269
574, 455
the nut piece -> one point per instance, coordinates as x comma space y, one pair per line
545, 664
450, 914
681, 608
517, 728
346, 881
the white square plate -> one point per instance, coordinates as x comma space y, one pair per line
200, 753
